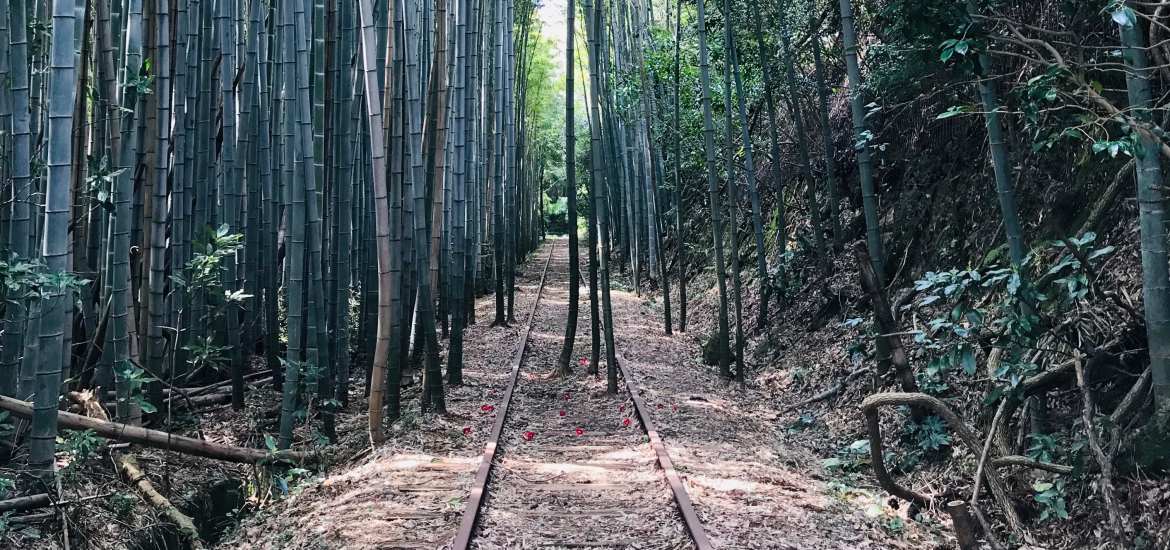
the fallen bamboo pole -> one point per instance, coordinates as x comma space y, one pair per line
152, 438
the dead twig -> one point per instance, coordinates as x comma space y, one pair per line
1116, 515
831, 391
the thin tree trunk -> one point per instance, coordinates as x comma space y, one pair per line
564, 362
802, 143
713, 185
679, 192
827, 137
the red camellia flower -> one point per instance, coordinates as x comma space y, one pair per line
488, 408
562, 413
528, 436
466, 431
566, 396
623, 409
660, 405
626, 422
598, 379
676, 408
584, 362
580, 431
495, 390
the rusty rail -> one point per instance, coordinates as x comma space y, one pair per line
475, 500
685, 507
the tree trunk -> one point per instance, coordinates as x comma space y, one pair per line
1155, 277
713, 186
55, 252
564, 362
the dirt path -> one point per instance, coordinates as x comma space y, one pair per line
598, 486
750, 490
560, 488
409, 492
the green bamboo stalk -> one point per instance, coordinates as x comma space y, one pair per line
381, 217
564, 362
827, 138
55, 251
860, 133
1155, 276
12, 340
713, 185
802, 144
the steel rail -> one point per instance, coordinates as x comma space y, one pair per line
676, 485
475, 500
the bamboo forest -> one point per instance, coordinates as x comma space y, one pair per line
622, 274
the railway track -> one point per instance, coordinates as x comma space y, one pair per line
568, 466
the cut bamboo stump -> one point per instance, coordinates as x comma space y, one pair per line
964, 529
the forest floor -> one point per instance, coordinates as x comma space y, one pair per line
753, 469
753, 487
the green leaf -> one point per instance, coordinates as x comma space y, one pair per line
1100, 252
1096, 86
961, 47
994, 395
946, 54
1124, 17
974, 317
968, 360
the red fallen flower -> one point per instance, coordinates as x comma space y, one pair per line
466, 431
562, 413
660, 405
623, 409
584, 362
566, 396
495, 390
676, 408
487, 408
528, 436
598, 379
580, 431
626, 422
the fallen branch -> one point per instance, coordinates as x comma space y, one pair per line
33, 502
43, 517
218, 385
831, 391
136, 478
25, 503
139, 480
152, 438
1132, 398
872, 404
1017, 460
